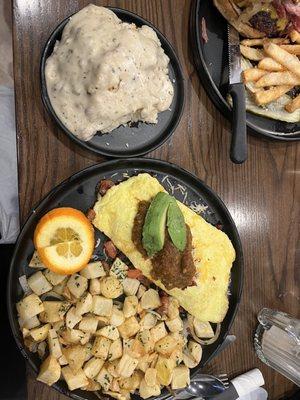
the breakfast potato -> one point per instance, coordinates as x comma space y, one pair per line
159, 332
132, 383
84, 304
173, 308
29, 323
104, 378
88, 351
72, 336
180, 378
150, 299
130, 306
54, 344
147, 391
88, 324
38, 283
295, 36
35, 261
60, 288
77, 285
111, 287
203, 329
164, 367
92, 367
50, 371
175, 325
117, 317
30, 306
53, 278
151, 377
40, 334
72, 318
101, 347
75, 355
62, 360
102, 306
109, 332
166, 345
95, 286
54, 311
148, 321
93, 270
141, 290
74, 381
126, 366
41, 349
130, 286
115, 350
195, 350
119, 269
129, 328
92, 386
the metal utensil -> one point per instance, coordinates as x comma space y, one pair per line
238, 149
208, 386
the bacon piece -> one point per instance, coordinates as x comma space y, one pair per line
110, 249
134, 273
165, 301
104, 185
90, 214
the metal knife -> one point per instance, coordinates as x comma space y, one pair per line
238, 149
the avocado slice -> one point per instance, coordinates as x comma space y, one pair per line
176, 225
155, 223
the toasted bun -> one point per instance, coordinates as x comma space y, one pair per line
231, 13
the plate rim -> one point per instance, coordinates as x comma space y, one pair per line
85, 144
131, 163
210, 87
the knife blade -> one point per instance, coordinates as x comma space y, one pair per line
238, 149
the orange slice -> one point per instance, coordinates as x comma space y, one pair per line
64, 239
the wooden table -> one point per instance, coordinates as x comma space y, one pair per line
262, 195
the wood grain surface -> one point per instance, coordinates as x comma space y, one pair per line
262, 195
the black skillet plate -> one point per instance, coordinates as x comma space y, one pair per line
211, 60
137, 139
79, 191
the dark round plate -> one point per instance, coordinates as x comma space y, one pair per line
211, 60
140, 138
79, 191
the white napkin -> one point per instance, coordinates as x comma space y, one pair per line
257, 394
9, 202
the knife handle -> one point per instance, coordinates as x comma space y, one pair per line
238, 149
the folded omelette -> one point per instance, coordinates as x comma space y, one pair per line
213, 253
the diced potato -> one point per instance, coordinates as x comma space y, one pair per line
59, 326
173, 308
29, 323
104, 378
109, 331
132, 383
111, 287
74, 381
119, 269
164, 367
93, 270
92, 386
127, 344
126, 366
148, 321
177, 355
77, 284
92, 367
35, 261
75, 355
40, 334
203, 329
54, 310
129, 327
119, 396
102, 321
114, 387
86, 338
53, 344
62, 360
130, 286
50, 371
38, 283
30, 306
195, 350
141, 290
95, 286
25, 332
72, 336
146, 340
181, 377
60, 288
166, 345
84, 304
137, 349
147, 391
102, 306
117, 317
151, 377
101, 347
88, 324
130, 306
41, 349
175, 325
72, 318
158, 332
88, 350
150, 299
53, 278
112, 368
30, 344
143, 363
115, 350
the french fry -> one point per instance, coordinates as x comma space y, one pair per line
293, 105
280, 55
260, 42
295, 36
252, 53
267, 96
269, 64
278, 79
253, 74
291, 48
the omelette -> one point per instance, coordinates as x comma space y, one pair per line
213, 253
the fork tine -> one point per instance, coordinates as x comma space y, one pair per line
224, 379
